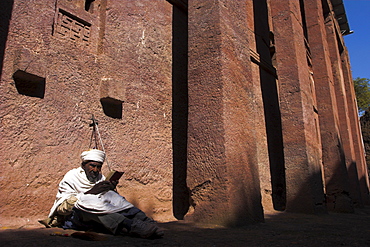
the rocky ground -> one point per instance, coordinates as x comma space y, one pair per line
279, 229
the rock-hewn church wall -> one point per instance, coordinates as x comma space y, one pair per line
66, 60
216, 110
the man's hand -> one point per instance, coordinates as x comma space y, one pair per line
101, 187
114, 183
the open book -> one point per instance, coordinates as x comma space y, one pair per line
114, 176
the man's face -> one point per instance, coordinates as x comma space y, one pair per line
92, 170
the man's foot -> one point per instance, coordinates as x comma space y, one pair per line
142, 229
46, 222
159, 233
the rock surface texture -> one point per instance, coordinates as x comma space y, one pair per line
216, 110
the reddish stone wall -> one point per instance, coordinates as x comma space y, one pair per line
337, 188
355, 126
297, 105
204, 104
222, 167
126, 67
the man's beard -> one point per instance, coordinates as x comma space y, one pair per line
92, 176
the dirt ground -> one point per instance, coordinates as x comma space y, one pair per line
279, 229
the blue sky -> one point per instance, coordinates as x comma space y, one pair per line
358, 43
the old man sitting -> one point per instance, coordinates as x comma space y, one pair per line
85, 200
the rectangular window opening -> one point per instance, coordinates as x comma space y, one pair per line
29, 84
112, 107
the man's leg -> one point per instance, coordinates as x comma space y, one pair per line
139, 216
113, 222
141, 224
142, 216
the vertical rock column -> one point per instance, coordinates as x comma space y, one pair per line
335, 48
335, 172
304, 188
358, 144
222, 165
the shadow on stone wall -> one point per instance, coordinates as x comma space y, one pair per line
310, 198
265, 48
365, 193
247, 202
180, 111
6, 8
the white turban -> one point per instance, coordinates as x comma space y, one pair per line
93, 155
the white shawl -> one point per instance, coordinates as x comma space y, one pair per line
75, 183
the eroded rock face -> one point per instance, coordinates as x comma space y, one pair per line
202, 109
66, 60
